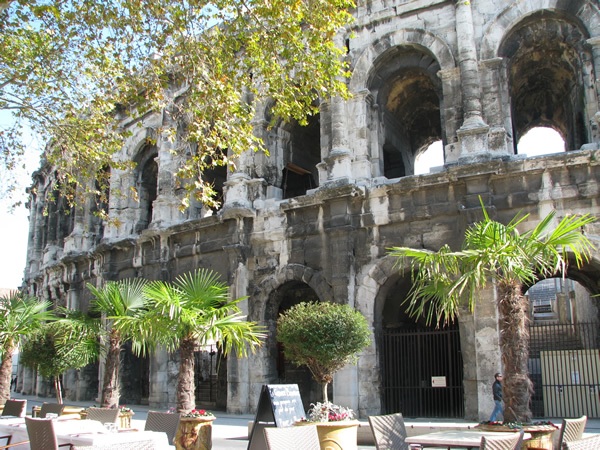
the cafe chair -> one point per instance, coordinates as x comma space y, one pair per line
103, 415
15, 408
512, 441
52, 408
302, 437
588, 443
389, 431
571, 430
163, 421
41, 434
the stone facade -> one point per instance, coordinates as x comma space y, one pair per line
314, 220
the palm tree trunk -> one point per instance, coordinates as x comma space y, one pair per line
58, 389
514, 346
186, 399
110, 384
6, 375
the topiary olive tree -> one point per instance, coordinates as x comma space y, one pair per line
323, 336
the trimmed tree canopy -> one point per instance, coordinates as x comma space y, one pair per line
323, 336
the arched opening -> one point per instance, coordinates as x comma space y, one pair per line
545, 56
216, 177
564, 356
302, 153
288, 295
431, 156
407, 91
422, 367
541, 141
147, 185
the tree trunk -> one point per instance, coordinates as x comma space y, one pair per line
58, 389
514, 346
6, 374
110, 384
324, 390
186, 399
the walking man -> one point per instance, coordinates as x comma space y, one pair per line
497, 391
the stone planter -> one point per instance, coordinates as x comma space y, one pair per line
125, 420
194, 433
340, 435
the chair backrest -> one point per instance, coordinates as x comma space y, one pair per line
41, 434
588, 443
163, 421
389, 431
104, 415
512, 441
15, 408
54, 408
301, 437
571, 430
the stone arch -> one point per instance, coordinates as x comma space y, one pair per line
586, 13
146, 175
413, 37
270, 295
291, 272
546, 59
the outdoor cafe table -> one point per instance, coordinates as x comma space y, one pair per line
82, 433
451, 439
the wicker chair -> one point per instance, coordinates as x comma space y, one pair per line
41, 434
52, 408
571, 430
162, 421
389, 432
104, 415
302, 437
512, 441
15, 408
589, 443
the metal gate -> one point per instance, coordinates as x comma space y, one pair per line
422, 372
564, 366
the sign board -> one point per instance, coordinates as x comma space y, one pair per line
438, 381
279, 405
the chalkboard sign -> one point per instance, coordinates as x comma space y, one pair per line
279, 405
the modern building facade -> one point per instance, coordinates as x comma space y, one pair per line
314, 219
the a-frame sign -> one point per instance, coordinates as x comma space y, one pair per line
279, 405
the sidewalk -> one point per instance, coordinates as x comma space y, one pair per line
230, 431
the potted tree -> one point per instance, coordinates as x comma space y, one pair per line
20, 316
325, 337
194, 310
68, 343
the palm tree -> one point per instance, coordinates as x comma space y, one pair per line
116, 300
195, 310
70, 342
20, 315
493, 251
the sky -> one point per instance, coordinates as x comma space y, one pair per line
14, 226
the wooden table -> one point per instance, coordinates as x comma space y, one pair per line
462, 439
83, 433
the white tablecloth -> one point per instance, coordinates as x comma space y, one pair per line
82, 433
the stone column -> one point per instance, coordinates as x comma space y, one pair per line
358, 131
472, 135
594, 110
338, 161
